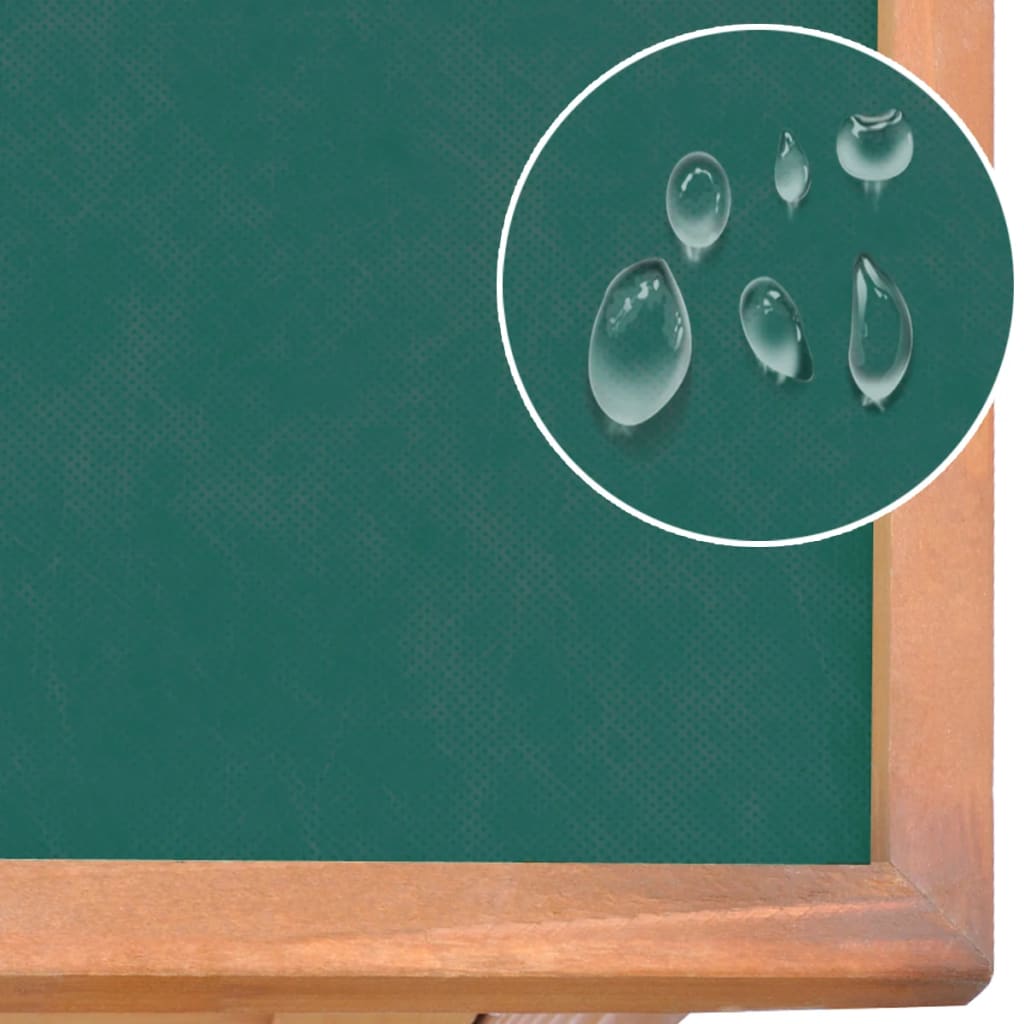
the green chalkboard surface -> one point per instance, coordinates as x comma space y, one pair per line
286, 571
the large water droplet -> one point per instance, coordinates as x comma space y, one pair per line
875, 148
792, 170
640, 346
774, 331
698, 200
881, 333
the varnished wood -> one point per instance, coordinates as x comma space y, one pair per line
136, 1018
933, 767
260, 941
246, 1018
948, 43
579, 1018
373, 1018
519, 937
936, 822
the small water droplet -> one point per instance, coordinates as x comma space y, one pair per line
792, 170
881, 333
875, 147
698, 201
640, 346
773, 329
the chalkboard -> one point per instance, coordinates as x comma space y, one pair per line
286, 571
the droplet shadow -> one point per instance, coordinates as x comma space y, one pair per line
650, 437
797, 209
873, 191
872, 408
763, 372
706, 257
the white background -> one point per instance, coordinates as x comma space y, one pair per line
1003, 1000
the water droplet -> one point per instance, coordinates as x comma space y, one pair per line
640, 346
875, 147
881, 333
774, 331
792, 170
698, 200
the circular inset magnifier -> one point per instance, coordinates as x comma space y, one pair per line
755, 285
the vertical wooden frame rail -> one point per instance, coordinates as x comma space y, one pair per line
913, 927
932, 769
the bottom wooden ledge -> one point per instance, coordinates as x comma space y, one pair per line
249, 1018
245, 938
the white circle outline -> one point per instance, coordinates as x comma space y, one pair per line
503, 245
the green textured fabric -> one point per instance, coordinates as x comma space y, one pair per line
286, 571
735, 454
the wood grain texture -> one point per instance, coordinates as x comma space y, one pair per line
933, 765
947, 43
245, 1018
136, 1018
516, 937
579, 1018
372, 1018
934, 820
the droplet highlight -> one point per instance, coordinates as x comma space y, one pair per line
698, 201
875, 148
774, 331
792, 170
640, 346
881, 333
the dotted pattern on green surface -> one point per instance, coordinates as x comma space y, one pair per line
735, 454
285, 569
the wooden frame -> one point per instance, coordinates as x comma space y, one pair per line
913, 927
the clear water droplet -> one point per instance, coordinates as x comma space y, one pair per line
881, 333
773, 329
698, 200
640, 346
792, 170
875, 147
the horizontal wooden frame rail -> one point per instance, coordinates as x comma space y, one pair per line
914, 927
